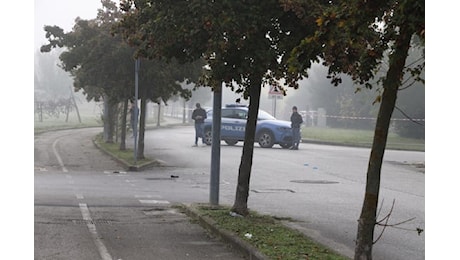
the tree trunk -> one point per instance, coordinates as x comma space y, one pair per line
72, 96
244, 175
367, 219
112, 114
123, 126
67, 111
159, 114
140, 151
108, 119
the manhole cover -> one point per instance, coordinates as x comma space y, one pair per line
315, 181
160, 211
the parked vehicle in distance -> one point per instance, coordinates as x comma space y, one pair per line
269, 130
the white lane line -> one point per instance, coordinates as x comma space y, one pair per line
154, 201
64, 169
130, 183
147, 196
103, 252
79, 196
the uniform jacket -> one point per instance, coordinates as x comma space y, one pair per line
296, 120
199, 115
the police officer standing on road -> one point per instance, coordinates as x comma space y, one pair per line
199, 115
296, 121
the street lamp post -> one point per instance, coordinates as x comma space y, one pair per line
135, 112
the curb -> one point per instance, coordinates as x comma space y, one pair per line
127, 165
234, 241
141, 167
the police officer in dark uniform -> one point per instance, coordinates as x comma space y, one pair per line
296, 121
199, 115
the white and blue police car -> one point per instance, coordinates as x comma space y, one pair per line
269, 130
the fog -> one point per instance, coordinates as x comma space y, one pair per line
343, 107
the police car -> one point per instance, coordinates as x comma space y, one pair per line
269, 130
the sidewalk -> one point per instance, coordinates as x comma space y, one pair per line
235, 248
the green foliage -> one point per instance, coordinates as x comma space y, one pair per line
103, 63
242, 42
236, 38
351, 37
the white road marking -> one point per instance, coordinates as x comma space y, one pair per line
130, 183
79, 196
154, 201
148, 196
103, 252
64, 169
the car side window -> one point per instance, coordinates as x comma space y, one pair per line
241, 114
228, 113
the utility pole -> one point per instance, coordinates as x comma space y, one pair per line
137, 64
215, 147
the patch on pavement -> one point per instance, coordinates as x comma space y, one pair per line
94, 221
315, 181
115, 172
162, 178
272, 190
160, 211
40, 169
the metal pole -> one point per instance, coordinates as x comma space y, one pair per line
135, 112
215, 148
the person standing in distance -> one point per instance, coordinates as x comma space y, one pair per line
296, 121
199, 115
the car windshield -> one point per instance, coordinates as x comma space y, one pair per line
264, 116
261, 116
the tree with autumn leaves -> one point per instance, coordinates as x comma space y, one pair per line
247, 44
360, 38
244, 44
102, 65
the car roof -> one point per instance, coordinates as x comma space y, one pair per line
235, 105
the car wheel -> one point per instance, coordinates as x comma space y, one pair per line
231, 142
266, 139
208, 136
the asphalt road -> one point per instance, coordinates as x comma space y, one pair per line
320, 187
87, 207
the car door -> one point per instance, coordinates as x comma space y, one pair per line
240, 121
233, 124
227, 123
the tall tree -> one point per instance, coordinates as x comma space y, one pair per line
355, 37
244, 44
102, 64
160, 81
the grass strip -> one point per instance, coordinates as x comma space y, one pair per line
126, 155
362, 138
269, 235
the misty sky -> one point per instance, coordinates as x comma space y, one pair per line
61, 13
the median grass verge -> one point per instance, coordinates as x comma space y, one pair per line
268, 235
125, 156
361, 138
53, 124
